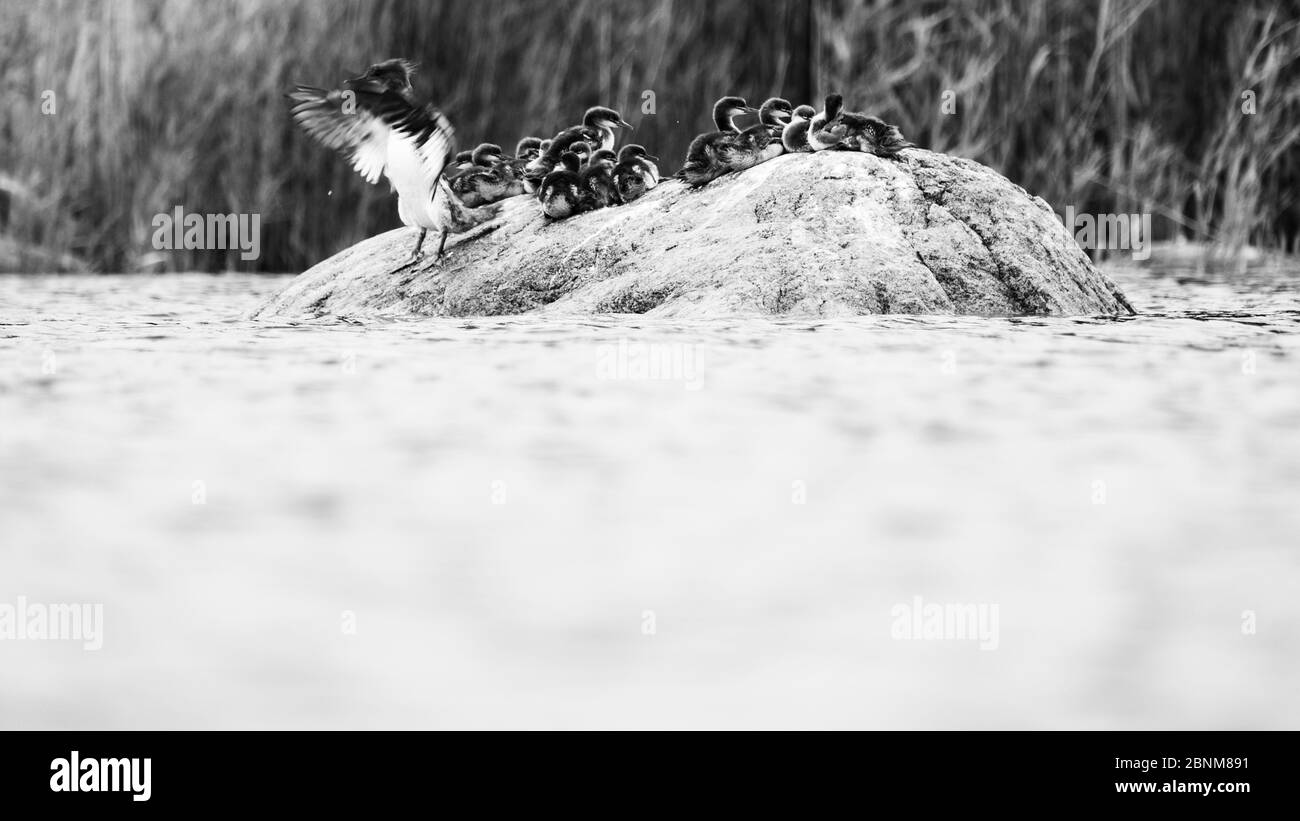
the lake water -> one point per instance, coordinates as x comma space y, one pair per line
508, 522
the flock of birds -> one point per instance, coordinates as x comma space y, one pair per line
377, 122
783, 130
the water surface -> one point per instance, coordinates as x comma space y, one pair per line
506, 522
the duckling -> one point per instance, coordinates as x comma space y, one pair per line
890, 141
794, 137
487, 155
638, 157
707, 155
775, 113
528, 149
826, 129
489, 179
603, 120
873, 135
602, 156
536, 170
561, 191
636, 172
630, 181
597, 128
762, 142
598, 185
578, 148
463, 160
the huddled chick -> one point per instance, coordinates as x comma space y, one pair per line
781, 129
586, 180
489, 177
636, 172
571, 173
577, 170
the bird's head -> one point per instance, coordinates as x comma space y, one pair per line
581, 150
834, 107
775, 111
487, 154
528, 148
805, 112
729, 107
603, 157
632, 151
393, 74
601, 117
571, 161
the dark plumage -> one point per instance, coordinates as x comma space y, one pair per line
775, 113
537, 170
528, 149
648, 163
583, 150
597, 128
603, 120
491, 178
762, 142
597, 181
826, 129
794, 137
864, 132
635, 173
561, 191
711, 154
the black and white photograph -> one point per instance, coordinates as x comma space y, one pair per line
593, 365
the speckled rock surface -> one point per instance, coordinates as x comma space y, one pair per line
828, 234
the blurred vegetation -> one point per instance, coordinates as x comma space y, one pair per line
1106, 105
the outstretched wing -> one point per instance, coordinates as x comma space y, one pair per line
359, 120
428, 132
338, 120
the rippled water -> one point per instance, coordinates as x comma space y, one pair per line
504, 522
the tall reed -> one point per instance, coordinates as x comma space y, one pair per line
1113, 105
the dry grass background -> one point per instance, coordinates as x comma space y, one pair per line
1106, 105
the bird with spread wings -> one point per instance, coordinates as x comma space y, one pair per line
375, 121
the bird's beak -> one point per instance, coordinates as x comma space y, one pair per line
624, 124
652, 158
749, 109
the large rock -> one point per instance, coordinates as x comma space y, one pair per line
828, 234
